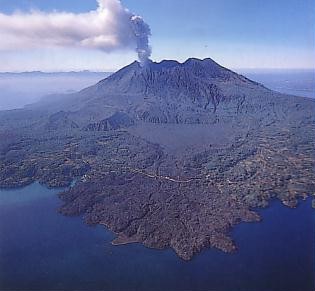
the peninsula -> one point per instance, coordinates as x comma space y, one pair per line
170, 155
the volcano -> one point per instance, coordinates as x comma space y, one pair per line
170, 155
166, 92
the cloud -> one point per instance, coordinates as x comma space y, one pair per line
111, 27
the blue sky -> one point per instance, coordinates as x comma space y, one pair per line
236, 33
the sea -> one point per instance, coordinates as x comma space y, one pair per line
289, 81
42, 250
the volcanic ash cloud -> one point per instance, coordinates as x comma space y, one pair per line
111, 27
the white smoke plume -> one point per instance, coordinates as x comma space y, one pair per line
111, 27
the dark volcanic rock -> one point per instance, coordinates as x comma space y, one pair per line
170, 155
116, 121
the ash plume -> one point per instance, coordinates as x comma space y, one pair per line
109, 28
142, 32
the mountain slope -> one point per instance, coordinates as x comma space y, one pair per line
196, 91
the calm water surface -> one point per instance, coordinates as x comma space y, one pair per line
43, 250
293, 82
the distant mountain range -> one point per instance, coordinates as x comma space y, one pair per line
39, 73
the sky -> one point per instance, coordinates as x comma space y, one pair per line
235, 33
